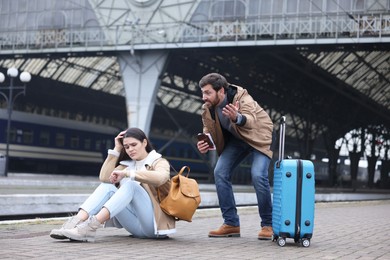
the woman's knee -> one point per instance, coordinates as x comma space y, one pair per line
129, 185
107, 187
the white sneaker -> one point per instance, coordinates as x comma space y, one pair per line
71, 223
85, 231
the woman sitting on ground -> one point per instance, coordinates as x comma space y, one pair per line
127, 196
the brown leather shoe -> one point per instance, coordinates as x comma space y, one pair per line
265, 233
225, 231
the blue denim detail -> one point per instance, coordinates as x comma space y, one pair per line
235, 151
94, 203
259, 172
130, 205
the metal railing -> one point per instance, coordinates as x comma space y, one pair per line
182, 34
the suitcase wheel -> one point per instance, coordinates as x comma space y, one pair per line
281, 241
305, 242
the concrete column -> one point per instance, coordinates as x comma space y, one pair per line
140, 72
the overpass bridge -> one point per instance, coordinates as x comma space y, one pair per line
128, 26
323, 63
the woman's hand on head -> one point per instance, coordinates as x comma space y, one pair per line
119, 141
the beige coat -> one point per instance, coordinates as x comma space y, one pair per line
157, 175
257, 129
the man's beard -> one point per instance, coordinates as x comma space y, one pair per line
215, 103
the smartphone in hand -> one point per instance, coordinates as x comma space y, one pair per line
207, 138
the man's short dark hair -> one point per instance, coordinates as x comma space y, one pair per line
216, 80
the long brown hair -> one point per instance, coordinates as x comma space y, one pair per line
138, 134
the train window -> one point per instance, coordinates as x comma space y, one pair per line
182, 153
108, 144
19, 135
87, 144
60, 140
12, 135
190, 154
44, 138
98, 145
172, 152
74, 141
28, 136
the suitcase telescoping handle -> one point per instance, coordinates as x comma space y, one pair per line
281, 140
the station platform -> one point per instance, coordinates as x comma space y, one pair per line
347, 225
44, 194
342, 230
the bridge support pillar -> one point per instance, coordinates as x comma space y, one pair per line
140, 74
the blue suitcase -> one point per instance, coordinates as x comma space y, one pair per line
293, 198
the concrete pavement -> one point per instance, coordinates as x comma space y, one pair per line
350, 229
342, 230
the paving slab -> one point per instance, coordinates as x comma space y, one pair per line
342, 230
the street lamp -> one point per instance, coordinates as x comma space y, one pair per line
10, 98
